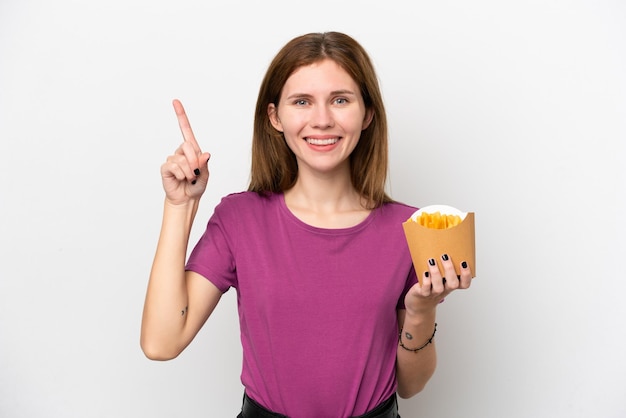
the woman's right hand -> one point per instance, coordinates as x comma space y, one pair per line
185, 174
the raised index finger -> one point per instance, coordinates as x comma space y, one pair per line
185, 126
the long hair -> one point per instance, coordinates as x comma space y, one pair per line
274, 167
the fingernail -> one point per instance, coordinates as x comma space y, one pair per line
445, 257
426, 274
464, 264
431, 261
196, 171
193, 182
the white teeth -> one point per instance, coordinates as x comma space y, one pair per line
329, 141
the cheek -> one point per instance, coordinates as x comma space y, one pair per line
293, 124
353, 121
291, 139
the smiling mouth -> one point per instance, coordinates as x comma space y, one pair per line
327, 141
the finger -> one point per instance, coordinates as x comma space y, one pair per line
425, 284
202, 176
451, 279
172, 169
185, 126
192, 160
435, 276
203, 159
185, 158
466, 276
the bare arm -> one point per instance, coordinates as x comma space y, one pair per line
177, 302
415, 368
417, 360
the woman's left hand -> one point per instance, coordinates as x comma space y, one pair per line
433, 287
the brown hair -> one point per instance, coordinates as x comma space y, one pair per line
274, 166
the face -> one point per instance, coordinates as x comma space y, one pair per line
321, 114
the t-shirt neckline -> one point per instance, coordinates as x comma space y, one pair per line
328, 231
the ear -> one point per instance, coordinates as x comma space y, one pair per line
369, 116
272, 113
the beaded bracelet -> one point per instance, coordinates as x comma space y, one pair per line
415, 350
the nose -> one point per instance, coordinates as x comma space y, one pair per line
322, 117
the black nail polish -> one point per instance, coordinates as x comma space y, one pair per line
426, 274
431, 261
193, 182
464, 264
445, 257
196, 171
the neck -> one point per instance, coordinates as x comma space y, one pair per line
326, 201
324, 193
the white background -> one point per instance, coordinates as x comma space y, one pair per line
515, 110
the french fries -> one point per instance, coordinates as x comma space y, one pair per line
437, 220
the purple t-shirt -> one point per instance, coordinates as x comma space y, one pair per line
317, 307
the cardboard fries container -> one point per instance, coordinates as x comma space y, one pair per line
425, 243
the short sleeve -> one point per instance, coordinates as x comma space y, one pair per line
410, 281
212, 257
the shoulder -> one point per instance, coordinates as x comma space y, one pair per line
392, 214
241, 204
249, 198
397, 210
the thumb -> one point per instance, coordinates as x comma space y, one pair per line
203, 160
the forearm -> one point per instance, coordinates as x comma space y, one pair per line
415, 368
164, 315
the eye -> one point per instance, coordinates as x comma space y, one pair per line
300, 102
341, 100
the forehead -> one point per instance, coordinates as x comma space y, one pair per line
320, 76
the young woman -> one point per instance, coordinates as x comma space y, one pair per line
314, 248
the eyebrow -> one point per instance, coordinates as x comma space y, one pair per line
332, 93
